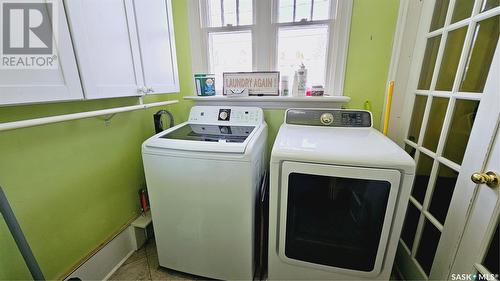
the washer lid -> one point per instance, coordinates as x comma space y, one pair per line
361, 147
204, 138
210, 133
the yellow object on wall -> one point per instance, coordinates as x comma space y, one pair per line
388, 105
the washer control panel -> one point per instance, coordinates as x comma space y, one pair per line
329, 117
226, 115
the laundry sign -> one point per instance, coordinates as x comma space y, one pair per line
251, 83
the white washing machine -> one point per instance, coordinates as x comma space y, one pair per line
203, 177
338, 196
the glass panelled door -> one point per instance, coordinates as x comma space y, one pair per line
479, 251
455, 51
337, 218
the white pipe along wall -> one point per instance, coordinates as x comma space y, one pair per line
81, 115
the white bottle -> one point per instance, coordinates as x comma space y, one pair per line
295, 90
300, 82
284, 86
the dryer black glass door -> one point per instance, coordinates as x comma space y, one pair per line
335, 221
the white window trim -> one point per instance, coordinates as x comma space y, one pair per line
264, 50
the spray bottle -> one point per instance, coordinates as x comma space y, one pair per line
300, 81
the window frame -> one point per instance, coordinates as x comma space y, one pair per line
265, 38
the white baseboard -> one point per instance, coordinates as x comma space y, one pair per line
108, 259
118, 265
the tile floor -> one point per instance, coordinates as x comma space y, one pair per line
143, 265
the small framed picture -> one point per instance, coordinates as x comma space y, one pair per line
265, 83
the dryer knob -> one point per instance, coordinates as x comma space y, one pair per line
326, 118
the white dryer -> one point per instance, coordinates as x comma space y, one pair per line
203, 178
338, 195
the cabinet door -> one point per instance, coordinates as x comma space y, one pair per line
156, 39
106, 47
19, 86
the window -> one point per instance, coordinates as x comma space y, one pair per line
306, 45
263, 35
229, 51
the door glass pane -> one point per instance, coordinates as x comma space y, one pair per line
489, 4
462, 10
431, 51
439, 15
491, 261
335, 221
480, 58
451, 58
460, 128
428, 246
229, 52
435, 123
443, 191
410, 225
416, 117
410, 150
308, 45
422, 176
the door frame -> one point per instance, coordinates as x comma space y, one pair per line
406, 64
394, 177
403, 49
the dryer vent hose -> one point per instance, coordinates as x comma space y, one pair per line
159, 123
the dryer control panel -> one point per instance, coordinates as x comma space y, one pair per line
329, 117
226, 115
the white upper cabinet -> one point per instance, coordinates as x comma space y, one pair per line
157, 45
123, 48
106, 47
30, 77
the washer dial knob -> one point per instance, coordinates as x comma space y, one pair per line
326, 118
223, 115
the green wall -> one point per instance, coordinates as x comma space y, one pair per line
74, 184
370, 46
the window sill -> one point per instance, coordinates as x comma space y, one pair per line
273, 102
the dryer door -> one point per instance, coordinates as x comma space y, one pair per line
336, 218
